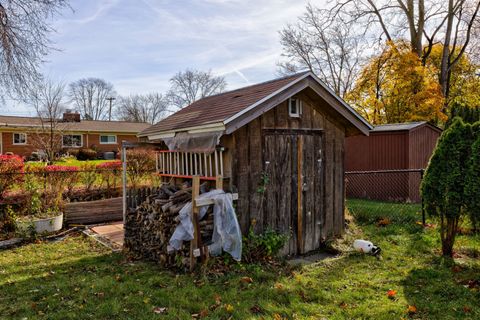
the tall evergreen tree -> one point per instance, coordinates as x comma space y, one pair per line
472, 183
444, 181
467, 113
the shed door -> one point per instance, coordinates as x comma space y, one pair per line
293, 196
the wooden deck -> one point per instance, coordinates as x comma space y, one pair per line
112, 232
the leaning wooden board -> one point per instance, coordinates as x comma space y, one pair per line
92, 212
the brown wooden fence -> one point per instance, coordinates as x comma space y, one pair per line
136, 196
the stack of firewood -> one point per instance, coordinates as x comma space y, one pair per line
150, 226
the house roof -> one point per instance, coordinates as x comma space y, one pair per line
82, 126
405, 126
222, 110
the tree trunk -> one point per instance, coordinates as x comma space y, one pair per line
448, 232
445, 62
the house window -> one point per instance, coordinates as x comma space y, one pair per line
294, 107
108, 139
19, 138
72, 140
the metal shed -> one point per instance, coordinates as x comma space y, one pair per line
401, 147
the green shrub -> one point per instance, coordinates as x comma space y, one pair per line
7, 219
88, 175
86, 154
257, 248
72, 152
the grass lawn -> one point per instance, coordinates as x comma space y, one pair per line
76, 278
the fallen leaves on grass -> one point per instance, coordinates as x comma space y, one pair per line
160, 310
472, 284
412, 309
229, 308
256, 309
456, 269
384, 222
246, 280
278, 286
391, 294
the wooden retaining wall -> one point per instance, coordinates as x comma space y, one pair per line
93, 212
100, 211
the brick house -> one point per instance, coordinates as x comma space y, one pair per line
18, 133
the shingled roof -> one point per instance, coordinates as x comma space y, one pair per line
222, 108
217, 108
82, 126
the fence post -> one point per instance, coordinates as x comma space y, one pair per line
423, 207
195, 243
124, 180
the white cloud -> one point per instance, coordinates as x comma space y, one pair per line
139, 45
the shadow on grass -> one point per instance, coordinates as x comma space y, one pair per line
107, 287
444, 290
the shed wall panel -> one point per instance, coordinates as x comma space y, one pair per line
386, 151
422, 142
248, 165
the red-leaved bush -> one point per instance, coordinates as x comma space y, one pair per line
111, 165
109, 171
11, 171
55, 168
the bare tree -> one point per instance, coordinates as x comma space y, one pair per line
325, 45
149, 108
191, 85
24, 42
47, 99
424, 22
89, 96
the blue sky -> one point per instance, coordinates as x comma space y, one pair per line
139, 44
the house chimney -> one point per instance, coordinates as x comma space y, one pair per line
70, 116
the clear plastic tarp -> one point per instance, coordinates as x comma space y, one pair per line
226, 231
194, 142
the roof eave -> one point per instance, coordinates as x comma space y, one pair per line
211, 127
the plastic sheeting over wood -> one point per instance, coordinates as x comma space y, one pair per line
226, 233
194, 142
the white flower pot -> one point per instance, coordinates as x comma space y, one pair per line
46, 225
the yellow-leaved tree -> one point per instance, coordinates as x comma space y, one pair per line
464, 83
395, 87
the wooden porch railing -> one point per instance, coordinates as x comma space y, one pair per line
188, 164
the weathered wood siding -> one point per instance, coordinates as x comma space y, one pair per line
92, 212
323, 202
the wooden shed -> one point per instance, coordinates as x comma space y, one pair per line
279, 144
405, 147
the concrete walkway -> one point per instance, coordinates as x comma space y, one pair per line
310, 259
112, 232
